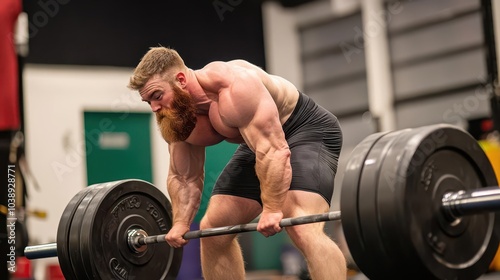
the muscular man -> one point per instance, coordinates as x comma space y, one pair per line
284, 167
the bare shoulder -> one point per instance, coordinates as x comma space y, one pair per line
249, 67
214, 76
218, 75
243, 63
221, 69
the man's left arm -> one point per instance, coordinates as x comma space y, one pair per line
247, 105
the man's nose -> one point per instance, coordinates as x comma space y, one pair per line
155, 106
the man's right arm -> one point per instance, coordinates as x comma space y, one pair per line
185, 186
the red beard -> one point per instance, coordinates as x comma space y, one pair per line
177, 122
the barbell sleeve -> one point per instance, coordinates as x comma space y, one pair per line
41, 251
462, 203
329, 216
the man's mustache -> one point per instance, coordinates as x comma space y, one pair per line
161, 114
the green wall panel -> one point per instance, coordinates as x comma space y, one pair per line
217, 157
118, 146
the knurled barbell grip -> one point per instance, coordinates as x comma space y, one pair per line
330, 216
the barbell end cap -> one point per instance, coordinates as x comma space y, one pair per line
41, 251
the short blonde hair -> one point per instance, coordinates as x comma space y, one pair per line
158, 60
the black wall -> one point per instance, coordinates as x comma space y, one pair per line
118, 33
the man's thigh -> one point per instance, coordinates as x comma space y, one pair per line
225, 210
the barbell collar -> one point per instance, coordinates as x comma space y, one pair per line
133, 234
463, 203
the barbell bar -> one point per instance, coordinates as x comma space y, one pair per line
461, 203
417, 200
455, 205
138, 238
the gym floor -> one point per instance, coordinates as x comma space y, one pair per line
488, 276
274, 275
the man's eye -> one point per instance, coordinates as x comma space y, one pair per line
157, 96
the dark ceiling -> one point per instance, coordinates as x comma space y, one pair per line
118, 33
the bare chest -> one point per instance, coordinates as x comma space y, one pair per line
210, 130
230, 133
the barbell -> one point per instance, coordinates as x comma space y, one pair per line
416, 201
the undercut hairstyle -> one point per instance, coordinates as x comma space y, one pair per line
158, 60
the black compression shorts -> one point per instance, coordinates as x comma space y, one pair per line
314, 138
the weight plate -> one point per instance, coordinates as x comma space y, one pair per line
422, 166
388, 187
379, 263
121, 206
349, 196
63, 234
75, 251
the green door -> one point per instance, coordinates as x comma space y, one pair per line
118, 146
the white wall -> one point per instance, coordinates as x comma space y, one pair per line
55, 99
282, 46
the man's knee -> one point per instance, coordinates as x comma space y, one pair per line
220, 241
305, 235
204, 224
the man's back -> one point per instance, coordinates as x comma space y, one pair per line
283, 92
218, 78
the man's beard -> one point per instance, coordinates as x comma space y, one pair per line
177, 122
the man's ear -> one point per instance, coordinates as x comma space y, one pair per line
181, 78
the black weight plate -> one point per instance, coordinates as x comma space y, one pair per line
120, 206
63, 234
349, 196
85, 244
389, 194
379, 262
75, 251
427, 163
